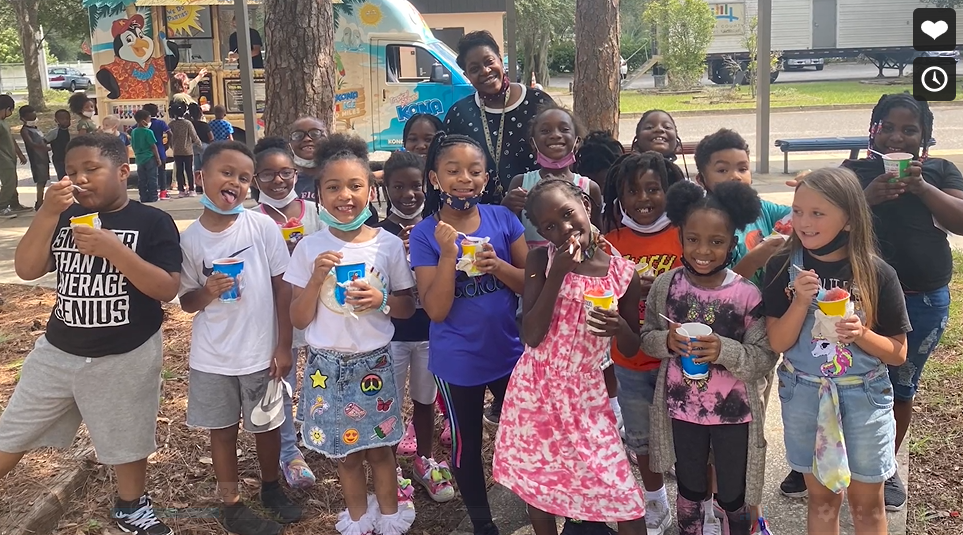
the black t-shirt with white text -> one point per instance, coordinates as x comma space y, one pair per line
908, 237
891, 317
98, 311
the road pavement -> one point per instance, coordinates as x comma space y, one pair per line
831, 72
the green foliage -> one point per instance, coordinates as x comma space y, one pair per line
684, 29
561, 55
540, 23
10, 51
750, 40
633, 24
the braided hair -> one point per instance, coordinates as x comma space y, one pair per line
550, 184
626, 170
439, 145
598, 152
886, 104
414, 119
271, 145
736, 200
397, 161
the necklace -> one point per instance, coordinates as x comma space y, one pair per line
496, 155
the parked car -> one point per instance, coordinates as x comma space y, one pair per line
798, 64
67, 78
623, 67
953, 54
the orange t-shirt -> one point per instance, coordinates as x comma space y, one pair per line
661, 250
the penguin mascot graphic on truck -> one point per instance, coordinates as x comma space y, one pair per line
135, 74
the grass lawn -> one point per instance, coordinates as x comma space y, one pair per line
847, 92
935, 493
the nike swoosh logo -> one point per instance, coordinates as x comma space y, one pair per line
208, 271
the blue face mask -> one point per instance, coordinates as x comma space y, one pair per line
206, 202
458, 203
329, 220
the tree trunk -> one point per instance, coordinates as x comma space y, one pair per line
299, 77
596, 84
28, 29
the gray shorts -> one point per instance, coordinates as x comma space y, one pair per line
117, 396
220, 401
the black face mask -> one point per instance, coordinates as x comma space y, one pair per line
841, 240
691, 269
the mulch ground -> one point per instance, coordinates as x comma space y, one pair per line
935, 505
180, 477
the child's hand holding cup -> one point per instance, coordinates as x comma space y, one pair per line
701, 348
600, 317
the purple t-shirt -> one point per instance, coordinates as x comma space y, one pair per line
159, 127
478, 342
729, 309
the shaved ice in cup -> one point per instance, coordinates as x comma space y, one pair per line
690, 368
292, 230
469, 246
834, 302
597, 297
91, 220
644, 269
897, 163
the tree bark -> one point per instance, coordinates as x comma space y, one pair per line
596, 84
28, 29
299, 67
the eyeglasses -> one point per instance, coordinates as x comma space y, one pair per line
286, 174
314, 133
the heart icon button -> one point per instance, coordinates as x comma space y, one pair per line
934, 29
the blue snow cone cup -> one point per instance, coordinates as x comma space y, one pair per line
690, 368
232, 267
346, 273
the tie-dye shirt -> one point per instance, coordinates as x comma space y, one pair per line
729, 309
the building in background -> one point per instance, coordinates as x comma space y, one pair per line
449, 20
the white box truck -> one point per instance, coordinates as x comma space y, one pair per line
880, 30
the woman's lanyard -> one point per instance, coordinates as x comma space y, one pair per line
496, 155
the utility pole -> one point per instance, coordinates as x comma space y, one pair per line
245, 62
511, 43
763, 67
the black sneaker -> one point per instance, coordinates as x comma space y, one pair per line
278, 503
139, 518
488, 529
894, 493
493, 413
794, 486
242, 520
20, 208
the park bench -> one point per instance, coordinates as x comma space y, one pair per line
853, 144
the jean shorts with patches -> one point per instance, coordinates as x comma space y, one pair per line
636, 391
349, 402
869, 427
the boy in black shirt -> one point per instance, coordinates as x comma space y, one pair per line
58, 139
100, 359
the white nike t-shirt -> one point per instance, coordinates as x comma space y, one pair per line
239, 337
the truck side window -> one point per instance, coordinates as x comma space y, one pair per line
191, 29
408, 64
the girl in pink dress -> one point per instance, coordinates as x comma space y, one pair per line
558, 447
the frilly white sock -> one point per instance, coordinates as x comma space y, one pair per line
397, 523
362, 526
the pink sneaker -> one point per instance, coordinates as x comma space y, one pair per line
435, 477
405, 490
446, 433
409, 444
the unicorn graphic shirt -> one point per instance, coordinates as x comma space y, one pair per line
814, 354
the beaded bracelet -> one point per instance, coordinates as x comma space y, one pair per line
384, 302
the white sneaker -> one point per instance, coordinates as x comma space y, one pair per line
711, 523
658, 518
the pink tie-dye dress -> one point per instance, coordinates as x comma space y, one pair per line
558, 447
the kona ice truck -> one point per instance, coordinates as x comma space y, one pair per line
389, 66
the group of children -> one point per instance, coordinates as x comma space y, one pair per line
374, 311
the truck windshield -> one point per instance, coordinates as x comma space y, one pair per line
444, 54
